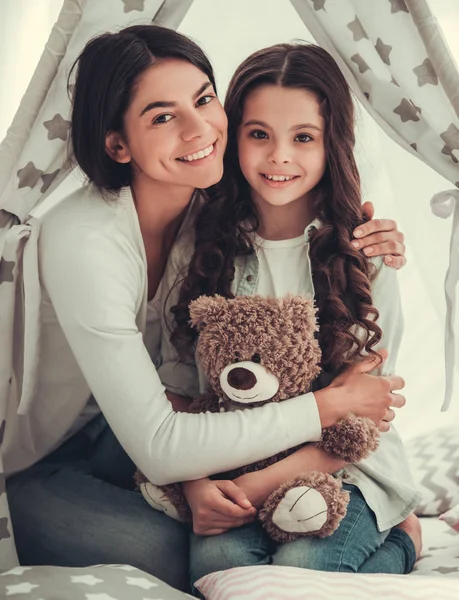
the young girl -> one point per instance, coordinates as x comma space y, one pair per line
147, 131
281, 222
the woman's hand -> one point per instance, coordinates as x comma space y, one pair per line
380, 237
355, 391
217, 505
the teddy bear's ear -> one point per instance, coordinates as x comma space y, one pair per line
301, 310
207, 309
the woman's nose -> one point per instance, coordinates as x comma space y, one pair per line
195, 126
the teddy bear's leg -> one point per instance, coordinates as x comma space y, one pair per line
167, 499
310, 505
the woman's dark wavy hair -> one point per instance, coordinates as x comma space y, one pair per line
341, 274
108, 69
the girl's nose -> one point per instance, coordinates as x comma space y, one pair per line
279, 154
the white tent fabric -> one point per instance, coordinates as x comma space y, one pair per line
34, 154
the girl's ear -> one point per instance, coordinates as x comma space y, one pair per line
117, 148
207, 309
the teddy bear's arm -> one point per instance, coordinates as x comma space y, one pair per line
205, 403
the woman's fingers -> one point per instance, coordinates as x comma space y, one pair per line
398, 401
377, 225
397, 262
234, 493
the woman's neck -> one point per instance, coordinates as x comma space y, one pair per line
160, 207
282, 222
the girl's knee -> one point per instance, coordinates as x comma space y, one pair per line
210, 554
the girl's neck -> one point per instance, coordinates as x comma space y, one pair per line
283, 222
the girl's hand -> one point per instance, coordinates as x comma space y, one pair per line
380, 237
255, 486
217, 505
355, 391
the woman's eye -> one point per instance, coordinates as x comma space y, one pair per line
162, 119
205, 100
256, 358
303, 137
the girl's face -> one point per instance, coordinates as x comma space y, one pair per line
175, 128
281, 144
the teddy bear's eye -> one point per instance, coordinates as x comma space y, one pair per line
256, 358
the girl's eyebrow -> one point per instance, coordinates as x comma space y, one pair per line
169, 104
252, 122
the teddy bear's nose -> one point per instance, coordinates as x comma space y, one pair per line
241, 379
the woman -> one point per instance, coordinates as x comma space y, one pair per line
147, 131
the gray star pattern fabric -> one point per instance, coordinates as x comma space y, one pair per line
108, 582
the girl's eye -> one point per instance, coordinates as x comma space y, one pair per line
162, 119
205, 100
256, 358
258, 134
303, 137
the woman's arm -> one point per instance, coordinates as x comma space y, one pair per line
95, 283
380, 237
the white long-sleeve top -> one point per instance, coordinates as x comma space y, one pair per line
92, 324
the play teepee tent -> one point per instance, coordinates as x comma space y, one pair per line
392, 54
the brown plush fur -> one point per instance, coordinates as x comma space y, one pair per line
336, 498
282, 335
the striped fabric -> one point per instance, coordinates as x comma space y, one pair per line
289, 583
434, 463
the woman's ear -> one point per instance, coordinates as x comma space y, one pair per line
117, 148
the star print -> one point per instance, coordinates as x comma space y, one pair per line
394, 81
17, 571
318, 4
48, 180
57, 128
6, 274
383, 50
446, 570
367, 96
407, 111
360, 63
3, 425
88, 579
20, 588
397, 6
357, 29
414, 146
141, 582
4, 533
133, 5
29, 175
451, 139
426, 73
100, 597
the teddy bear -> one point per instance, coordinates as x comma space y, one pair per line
255, 350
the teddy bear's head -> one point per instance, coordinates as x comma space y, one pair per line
255, 349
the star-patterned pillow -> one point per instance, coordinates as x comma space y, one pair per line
102, 582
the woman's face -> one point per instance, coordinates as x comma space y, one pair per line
175, 127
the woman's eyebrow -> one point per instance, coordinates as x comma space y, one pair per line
170, 104
252, 122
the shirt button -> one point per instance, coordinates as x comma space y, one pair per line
249, 278
345, 476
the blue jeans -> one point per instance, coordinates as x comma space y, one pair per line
78, 507
356, 546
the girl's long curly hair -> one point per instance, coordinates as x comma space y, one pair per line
341, 274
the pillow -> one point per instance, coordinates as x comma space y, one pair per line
270, 582
102, 582
452, 517
434, 462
